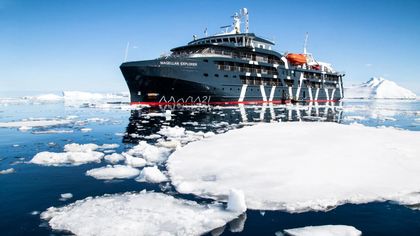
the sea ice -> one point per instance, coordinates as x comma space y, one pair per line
236, 201
324, 230
85, 130
114, 158
144, 213
300, 166
149, 152
134, 161
7, 171
152, 175
66, 158
27, 124
65, 196
74, 154
75, 147
113, 172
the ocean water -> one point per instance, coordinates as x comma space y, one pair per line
33, 188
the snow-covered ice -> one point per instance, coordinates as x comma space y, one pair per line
65, 196
114, 158
75, 147
379, 88
27, 124
300, 166
74, 154
7, 171
144, 213
66, 158
324, 230
86, 130
152, 175
134, 161
149, 152
236, 201
113, 172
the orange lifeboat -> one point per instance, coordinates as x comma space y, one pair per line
296, 59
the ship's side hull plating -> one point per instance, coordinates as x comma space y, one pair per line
198, 80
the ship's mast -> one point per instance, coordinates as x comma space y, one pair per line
306, 41
244, 12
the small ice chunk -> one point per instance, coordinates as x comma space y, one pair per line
236, 201
75, 147
109, 146
7, 171
149, 152
113, 172
144, 213
152, 136
172, 132
33, 123
324, 230
173, 144
134, 161
24, 128
114, 158
85, 130
65, 196
151, 175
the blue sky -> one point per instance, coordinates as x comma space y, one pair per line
55, 45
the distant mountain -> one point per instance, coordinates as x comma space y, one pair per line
378, 88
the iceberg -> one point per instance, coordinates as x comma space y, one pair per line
378, 88
144, 213
300, 166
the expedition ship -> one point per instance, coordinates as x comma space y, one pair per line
233, 67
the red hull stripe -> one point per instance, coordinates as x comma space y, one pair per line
224, 103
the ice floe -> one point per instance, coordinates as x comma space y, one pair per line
86, 130
65, 196
300, 166
144, 213
323, 230
113, 172
134, 161
152, 175
114, 158
28, 124
379, 88
7, 171
150, 153
74, 154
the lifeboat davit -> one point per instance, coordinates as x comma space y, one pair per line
296, 59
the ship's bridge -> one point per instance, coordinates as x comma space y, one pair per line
236, 40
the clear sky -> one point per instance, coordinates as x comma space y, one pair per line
55, 45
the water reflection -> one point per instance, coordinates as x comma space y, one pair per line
148, 121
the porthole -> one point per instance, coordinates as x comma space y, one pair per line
226, 76
205, 74
216, 75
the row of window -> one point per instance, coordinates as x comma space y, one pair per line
231, 53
